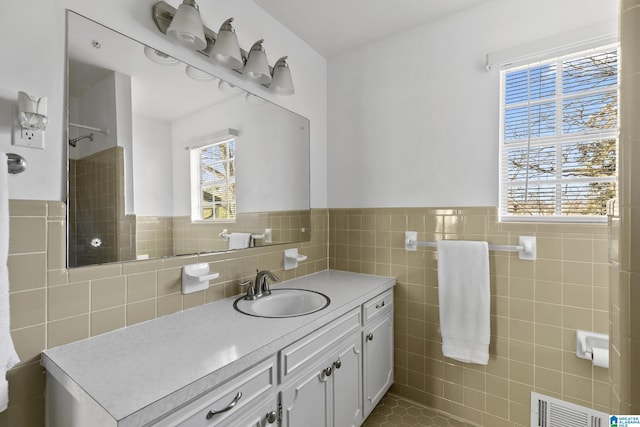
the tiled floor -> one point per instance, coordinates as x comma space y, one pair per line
394, 411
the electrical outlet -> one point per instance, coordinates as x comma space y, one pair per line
28, 138
28, 134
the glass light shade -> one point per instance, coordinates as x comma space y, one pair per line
186, 26
228, 88
257, 67
198, 75
226, 50
281, 82
159, 57
254, 99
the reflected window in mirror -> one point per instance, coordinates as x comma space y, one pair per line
213, 181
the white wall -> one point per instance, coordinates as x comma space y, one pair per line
85, 110
125, 136
270, 176
32, 42
413, 119
153, 171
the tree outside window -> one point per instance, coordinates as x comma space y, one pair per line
559, 122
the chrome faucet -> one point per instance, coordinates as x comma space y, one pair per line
262, 282
260, 287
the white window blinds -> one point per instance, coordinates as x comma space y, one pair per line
558, 130
213, 195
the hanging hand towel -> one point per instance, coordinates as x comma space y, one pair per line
464, 294
8, 356
239, 240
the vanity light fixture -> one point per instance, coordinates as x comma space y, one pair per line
223, 48
186, 26
226, 50
281, 81
228, 88
198, 75
257, 67
254, 99
159, 57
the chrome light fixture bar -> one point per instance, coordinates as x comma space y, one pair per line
225, 53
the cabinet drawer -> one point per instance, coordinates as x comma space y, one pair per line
298, 355
254, 384
376, 306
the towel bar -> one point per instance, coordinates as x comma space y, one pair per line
526, 247
266, 236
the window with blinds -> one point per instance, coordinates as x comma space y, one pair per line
213, 196
558, 131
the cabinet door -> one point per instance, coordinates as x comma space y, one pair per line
347, 384
378, 360
306, 400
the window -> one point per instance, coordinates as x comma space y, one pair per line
213, 181
558, 130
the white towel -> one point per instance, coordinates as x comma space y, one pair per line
465, 296
8, 356
239, 240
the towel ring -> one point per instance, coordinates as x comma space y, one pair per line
16, 163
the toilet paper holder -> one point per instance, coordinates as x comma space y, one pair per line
586, 341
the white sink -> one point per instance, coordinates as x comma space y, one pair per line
283, 303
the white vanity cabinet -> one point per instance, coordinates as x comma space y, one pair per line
377, 337
328, 394
321, 376
318, 370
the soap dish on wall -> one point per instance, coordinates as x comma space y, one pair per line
195, 277
292, 258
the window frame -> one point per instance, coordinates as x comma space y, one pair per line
559, 139
197, 184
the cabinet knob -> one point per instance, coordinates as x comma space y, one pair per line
229, 407
380, 305
337, 364
272, 417
370, 336
327, 371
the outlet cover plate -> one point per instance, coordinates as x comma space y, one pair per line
26, 137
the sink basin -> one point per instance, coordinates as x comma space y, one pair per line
283, 303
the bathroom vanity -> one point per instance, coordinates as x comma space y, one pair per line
215, 366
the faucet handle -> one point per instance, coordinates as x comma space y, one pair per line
251, 292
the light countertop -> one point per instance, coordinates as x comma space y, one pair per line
140, 372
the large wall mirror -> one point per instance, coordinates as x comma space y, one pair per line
164, 159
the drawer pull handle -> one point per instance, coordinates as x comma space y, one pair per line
370, 336
380, 305
337, 364
272, 417
229, 407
